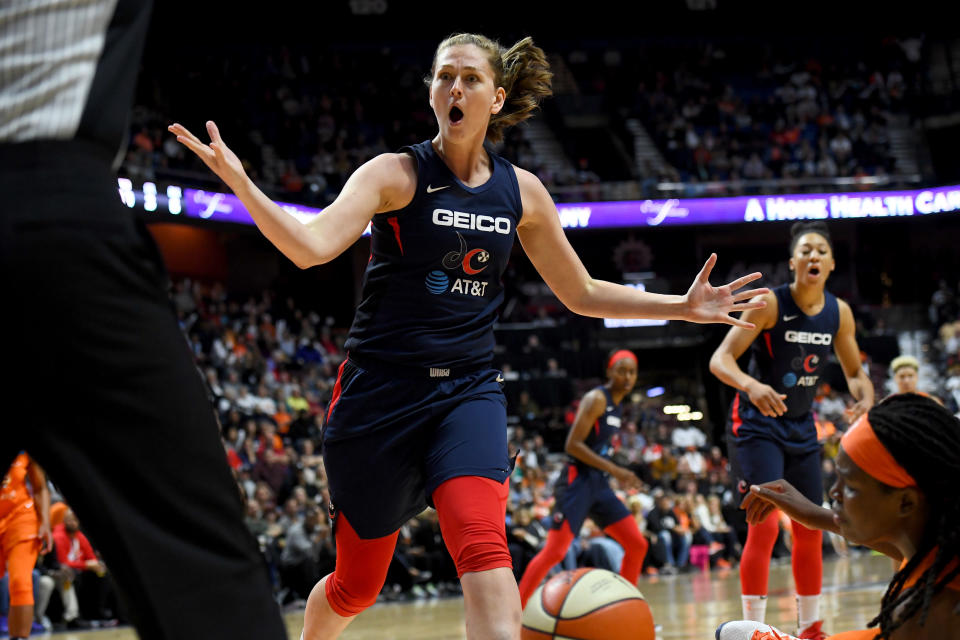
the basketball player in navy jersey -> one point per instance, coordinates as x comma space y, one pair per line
584, 488
771, 430
417, 416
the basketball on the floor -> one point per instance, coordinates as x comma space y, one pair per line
587, 604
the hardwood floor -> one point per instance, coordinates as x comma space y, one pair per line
688, 607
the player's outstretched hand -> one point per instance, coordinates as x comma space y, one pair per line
216, 155
780, 494
707, 303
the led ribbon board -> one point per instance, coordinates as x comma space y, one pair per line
225, 207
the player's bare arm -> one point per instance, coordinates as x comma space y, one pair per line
547, 247
848, 352
591, 408
385, 183
723, 363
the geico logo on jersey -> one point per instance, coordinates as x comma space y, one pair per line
477, 221
806, 337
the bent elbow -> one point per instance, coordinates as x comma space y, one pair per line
716, 364
310, 260
577, 304
713, 364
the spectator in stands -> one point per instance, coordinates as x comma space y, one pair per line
429, 554
905, 371
721, 532
663, 470
687, 435
87, 591
308, 553
656, 551
525, 537
692, 462
662, 521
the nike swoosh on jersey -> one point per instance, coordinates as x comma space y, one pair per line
789, 318
431, 188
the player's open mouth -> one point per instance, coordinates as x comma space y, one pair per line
814, 271
456, 114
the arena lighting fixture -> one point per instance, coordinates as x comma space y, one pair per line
694, 415
676, 409
653, 392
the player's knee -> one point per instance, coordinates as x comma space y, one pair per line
351, 596
554, 553
765, 533
471, 518
21, 591
480, 550
637, 545
806, 538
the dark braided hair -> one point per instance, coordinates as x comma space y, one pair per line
819, 227
924, 438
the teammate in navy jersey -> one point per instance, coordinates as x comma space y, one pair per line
771, 431
584, 487
418, 416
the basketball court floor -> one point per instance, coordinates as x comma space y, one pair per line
688, 606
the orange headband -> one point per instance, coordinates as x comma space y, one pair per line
619, 355
865, 449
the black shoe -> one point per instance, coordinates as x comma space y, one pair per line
105, 623
78, 623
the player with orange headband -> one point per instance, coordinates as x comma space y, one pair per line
895, 492
24, 533
584, 489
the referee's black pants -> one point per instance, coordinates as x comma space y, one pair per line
102, 391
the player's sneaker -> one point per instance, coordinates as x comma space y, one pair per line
813, 632
750, 630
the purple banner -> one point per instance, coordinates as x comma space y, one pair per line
210, 205
873, 204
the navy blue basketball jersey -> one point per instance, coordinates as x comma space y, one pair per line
433, 284
790, 356
602, 431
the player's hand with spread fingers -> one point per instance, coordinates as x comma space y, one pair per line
766, 399
216, 155
706, 303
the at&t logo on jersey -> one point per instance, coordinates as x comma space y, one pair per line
438, 282
473, 221
808, 337
790, 380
